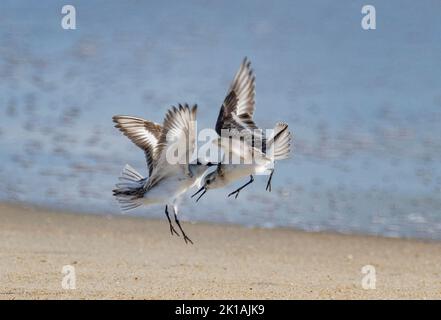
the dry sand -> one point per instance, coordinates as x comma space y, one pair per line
135, 258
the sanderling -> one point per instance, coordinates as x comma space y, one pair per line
236, 114
167, 181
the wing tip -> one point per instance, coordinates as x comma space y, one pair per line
116, 118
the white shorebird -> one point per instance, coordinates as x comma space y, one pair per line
256, 153
167, 182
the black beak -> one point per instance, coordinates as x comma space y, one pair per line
201, 189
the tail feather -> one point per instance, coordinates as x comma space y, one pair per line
130, 189
279, 144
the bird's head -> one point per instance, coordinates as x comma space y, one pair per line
207, 182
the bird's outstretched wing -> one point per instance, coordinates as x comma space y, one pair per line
145, 134
236, 112
177, 143
238, 108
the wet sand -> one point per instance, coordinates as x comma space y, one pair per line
123, 257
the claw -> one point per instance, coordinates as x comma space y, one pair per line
234, 192
240, 189
187, 239
173, 231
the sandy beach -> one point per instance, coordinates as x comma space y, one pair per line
122, 257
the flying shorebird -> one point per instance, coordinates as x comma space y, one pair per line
256, 153
167, 182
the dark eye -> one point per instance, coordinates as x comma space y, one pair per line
208, 181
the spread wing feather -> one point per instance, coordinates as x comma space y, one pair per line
177, 142
143, 133
237, 110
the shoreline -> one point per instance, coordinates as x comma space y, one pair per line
127, 257
68, 211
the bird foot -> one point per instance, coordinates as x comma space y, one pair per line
173, 231
268, 186
187, 239
236, 193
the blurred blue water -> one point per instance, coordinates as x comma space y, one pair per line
364, 106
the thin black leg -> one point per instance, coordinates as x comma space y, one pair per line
182, 231
268, 185
239, 189
172, 230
